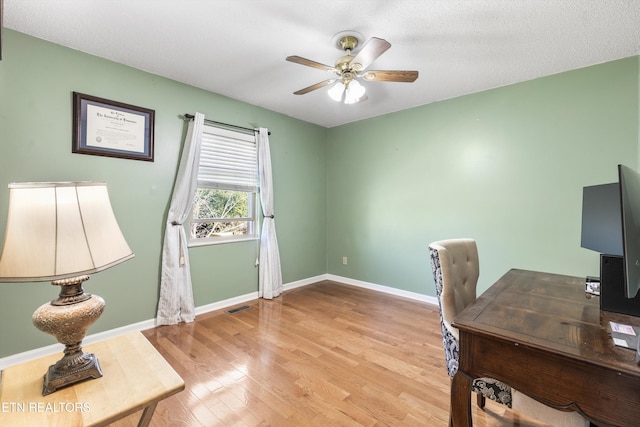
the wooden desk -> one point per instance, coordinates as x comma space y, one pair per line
538, 333
135, 377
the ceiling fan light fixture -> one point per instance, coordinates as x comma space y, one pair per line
348, 67
354, 91
336, 91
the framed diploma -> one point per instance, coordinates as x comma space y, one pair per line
114, 129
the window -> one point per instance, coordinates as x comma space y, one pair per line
224, 206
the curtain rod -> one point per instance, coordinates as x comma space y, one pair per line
191, 117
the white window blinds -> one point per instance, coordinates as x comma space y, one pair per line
228, 160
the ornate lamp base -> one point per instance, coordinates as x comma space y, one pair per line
63, 374
68, 318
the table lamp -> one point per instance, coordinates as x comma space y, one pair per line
62, 232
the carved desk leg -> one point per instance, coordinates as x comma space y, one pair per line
460, 412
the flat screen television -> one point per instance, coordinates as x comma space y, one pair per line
601, 219
629, 181
611, 226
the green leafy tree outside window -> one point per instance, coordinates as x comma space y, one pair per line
219, 212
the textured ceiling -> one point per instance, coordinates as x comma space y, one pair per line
237, 48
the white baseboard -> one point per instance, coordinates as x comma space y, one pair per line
17, 358
254, 295
305, 282
386, 289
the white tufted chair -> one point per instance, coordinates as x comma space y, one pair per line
456, 270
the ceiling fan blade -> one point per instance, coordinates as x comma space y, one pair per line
369, 52
310, 63
314, 87
390, 76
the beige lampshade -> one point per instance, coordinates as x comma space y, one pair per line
57, 230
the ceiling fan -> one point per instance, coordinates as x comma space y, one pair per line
349, 69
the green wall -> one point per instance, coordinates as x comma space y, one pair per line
505, 167
36, 84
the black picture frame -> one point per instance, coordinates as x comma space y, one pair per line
102, 127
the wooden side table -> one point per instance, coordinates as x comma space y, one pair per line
136, 377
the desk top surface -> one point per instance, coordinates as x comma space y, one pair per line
552, 313
135, 375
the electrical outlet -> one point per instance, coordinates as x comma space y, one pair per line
344, 260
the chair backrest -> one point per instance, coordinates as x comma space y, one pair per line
457, 260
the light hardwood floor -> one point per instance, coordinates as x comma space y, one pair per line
325, 354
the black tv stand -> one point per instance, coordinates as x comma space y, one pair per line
612, 292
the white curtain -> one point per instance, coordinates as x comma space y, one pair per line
176, 294
270, 275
